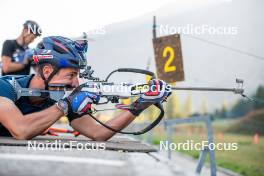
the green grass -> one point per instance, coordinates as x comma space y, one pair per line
248, 160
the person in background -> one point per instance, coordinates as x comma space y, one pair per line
16, 54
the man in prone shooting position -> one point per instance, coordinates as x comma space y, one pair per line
59, 61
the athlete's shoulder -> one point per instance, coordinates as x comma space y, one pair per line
24, 80
8, 85
7, 90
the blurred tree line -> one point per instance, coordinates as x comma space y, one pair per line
242, 106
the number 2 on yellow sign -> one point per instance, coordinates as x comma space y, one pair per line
167, 67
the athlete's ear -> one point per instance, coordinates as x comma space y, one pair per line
47, 70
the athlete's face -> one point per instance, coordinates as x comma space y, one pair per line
28, 37
67, 76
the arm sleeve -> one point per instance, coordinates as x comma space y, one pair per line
7, 90
7, 49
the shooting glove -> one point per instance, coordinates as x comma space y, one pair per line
79, 103
158, 93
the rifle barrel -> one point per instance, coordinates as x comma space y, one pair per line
235, 90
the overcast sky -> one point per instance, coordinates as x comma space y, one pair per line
72, 17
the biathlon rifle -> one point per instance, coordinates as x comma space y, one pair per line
101, 87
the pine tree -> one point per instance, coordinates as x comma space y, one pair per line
187, 109
172, 106
223, 112
204, 107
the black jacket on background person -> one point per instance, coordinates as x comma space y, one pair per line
17, 53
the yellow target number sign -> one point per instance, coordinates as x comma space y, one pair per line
168, 56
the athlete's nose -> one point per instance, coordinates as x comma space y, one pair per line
75, 82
